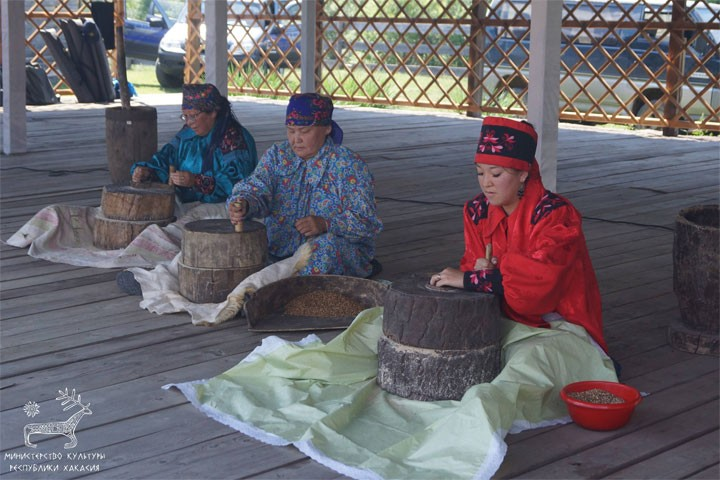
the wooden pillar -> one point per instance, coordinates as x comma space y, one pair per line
14, 129
308, 82
216, 54
544, 89
477, 59
676, 65
192, 45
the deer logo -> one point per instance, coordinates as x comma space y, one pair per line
67, 427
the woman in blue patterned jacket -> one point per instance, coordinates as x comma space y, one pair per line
311, 188
209, 154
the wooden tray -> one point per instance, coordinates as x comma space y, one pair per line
264, 309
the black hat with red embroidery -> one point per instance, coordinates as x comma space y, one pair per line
506, 143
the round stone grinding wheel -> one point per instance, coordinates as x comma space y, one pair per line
437, 342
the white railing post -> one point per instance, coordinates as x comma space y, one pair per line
307, 46
216, 52
544, 88
14, 129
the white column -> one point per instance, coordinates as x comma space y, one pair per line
216, 52
544, 90
14, 124
307, 46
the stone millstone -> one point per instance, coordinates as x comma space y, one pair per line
214, 243
427, 375
437, 342
138, 202
215, 258
111, 234
444, 319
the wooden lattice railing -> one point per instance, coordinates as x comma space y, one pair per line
44, 15
628, 62
649, 63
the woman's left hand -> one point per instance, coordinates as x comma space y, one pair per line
182, 178
311, 225
449, 277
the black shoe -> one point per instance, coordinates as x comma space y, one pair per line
376, 268
127, 283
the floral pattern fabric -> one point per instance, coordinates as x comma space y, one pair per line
234, 159
335, 184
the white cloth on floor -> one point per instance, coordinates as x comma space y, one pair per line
160, 289
64, 234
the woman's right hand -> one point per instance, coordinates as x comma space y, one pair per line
485, 264
141, 174
238, 210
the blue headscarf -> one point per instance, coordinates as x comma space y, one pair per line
312, 109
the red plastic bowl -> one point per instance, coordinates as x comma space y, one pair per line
601, 416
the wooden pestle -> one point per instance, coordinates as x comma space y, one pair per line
171, 170
488, 252
238, 226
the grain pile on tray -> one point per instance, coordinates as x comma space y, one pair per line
323, 304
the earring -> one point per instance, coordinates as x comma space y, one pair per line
521, 190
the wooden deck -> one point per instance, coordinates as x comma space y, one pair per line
66, 326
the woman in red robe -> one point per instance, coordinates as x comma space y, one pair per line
523, 242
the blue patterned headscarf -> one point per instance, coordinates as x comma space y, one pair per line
312, 109
203, 97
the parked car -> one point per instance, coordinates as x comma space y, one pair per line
591, 52
250, 38
170, 62
280, 39
142, 36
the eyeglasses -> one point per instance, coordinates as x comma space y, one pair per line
190, 118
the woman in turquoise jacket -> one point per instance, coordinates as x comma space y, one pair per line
208, 155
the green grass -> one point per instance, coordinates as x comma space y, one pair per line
380, 86
142, 76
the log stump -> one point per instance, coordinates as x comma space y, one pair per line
215, 258
126, 210
437, 342
696, 260
131, 136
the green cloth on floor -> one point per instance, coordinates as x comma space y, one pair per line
323, 399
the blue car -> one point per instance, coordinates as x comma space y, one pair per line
142, 37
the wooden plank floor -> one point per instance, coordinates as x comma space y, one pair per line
65, 326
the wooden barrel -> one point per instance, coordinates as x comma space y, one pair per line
696, 260
215, 258
131, 136
437, 342
126, 210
